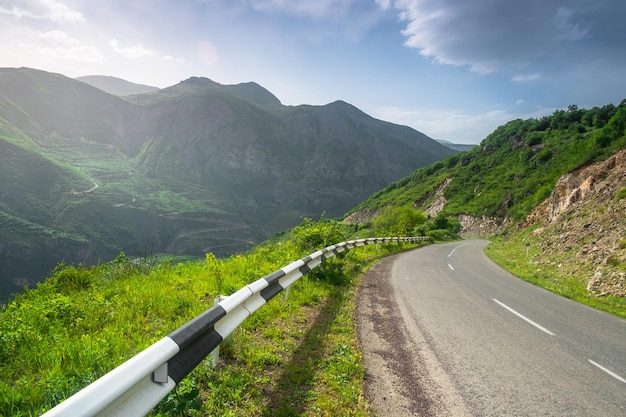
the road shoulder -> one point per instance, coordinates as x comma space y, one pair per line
402, 376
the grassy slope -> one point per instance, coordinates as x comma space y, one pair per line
295, 356
515, 167
558, 274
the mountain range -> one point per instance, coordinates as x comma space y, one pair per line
193, 168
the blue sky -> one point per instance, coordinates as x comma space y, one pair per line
453, 69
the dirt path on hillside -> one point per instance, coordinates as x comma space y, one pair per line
402, 376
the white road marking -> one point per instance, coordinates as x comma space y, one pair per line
613, 374
521, 316
450, 266
460, 246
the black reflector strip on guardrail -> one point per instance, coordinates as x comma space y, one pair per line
270, 292
186, 333
274, 276
186, 360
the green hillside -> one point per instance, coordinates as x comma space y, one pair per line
515, 168
193, 168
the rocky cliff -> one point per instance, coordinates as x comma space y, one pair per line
582, 226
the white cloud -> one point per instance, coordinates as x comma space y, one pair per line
489, 36
134, 52
58, 44
384, 4
520, 101
312, 8
41, 9
524, 78
433, 28
172, 59
568, 31
454, 125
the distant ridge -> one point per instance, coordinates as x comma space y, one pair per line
461, 147
116, 86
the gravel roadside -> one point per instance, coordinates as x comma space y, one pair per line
402, 375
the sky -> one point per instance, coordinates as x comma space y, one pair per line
452, 69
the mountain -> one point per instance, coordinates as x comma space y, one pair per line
116, 86
558, 182
460, 147
197, 167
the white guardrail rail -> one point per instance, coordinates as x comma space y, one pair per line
136, 387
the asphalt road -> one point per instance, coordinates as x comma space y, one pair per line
474, 340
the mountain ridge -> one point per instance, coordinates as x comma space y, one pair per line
116, 86
197, 167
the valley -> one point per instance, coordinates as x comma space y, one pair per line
194, 168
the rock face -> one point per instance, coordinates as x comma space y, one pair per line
583, 224
361, 216
479, 226
439, 202
602, 178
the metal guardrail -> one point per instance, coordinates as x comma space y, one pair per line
136, 387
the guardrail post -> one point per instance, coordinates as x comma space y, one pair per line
215, 355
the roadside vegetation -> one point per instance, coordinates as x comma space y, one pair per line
297, 355
519, 255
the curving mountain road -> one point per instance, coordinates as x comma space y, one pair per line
444, 331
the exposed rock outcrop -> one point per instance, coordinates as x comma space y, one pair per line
361, 216
602, 178
479, 226
439, 201
583, 227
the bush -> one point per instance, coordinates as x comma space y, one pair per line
544, 156
534, 138
438, 234
313, 236
398, 221
66, 279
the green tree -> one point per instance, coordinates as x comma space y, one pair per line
398, 221
312, 236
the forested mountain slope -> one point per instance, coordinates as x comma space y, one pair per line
197, 167
512, 170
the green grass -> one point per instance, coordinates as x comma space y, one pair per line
294, 356
559, 276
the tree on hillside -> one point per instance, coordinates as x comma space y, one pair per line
398, 221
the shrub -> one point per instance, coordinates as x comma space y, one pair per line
544, 156
534, 138
66, 279
312, 236
398, 221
